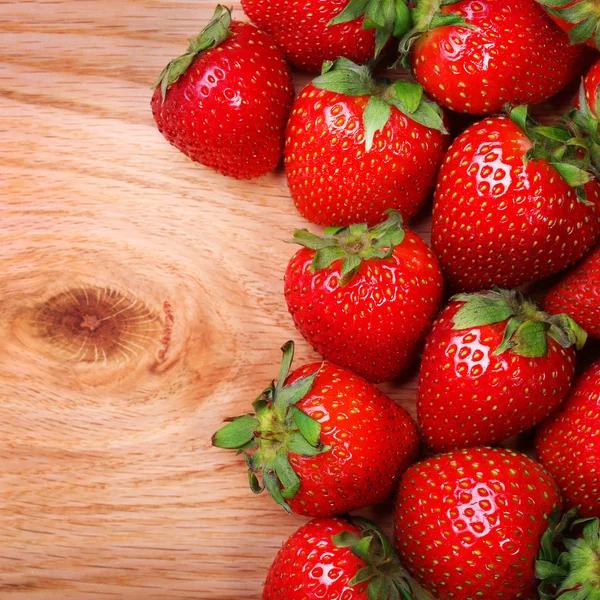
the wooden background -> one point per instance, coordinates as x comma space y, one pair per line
140, 304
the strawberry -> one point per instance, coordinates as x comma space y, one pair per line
578, 294
324, 440
356, 147
579, 18
493, 366
474, 56
364, 298
591, 83
569, 559
515, 202
339, 558
568, 444
225, 102
468, 523
312, 32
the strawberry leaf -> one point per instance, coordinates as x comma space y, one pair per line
527, 329
215, 33
288, 479
353, 244
236, 434
478, 311
375, 118
308, 427
387, 17
530, 339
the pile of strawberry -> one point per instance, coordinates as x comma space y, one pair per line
514, 202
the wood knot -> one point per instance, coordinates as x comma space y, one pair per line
97, 325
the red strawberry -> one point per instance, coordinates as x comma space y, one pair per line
573, 574
356, 147
469, 523
312, 31
578, 294
475, 56
493, 366
591, 83
329, 559
364, 298
225, 102
506, 211
568, 445
325, 442
579, 19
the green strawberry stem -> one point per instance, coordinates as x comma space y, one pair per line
276, 428
527, 327
345, 77
388, 579
565, 145
568, 563
387, 17
352, 244
216, 32
583, 14
426, 16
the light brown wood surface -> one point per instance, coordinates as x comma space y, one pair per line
140, 304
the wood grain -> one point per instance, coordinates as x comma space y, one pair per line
140, 304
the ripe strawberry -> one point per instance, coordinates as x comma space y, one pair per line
324, 440
591, 83
312, 32
578, 18
569, 559
339, 558
578, 294
513, 204
468, 523
364, 298
568, 445
474, 56
493, 366
356, 147
225, 102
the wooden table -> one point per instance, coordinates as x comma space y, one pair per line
140, 304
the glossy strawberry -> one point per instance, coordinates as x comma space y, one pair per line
578, 294
579, 19
364, 298
225, 102
312, 31
568, 445
493, 366
591, 84
468, 523
474, 56
341, 559
325, 442
506, 211
356, 147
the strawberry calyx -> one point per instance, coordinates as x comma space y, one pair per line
353, 244
387, 17
565, 145
568, 562
345, 77
216, 32
583, 14
276, 428
527, 327
388, 579
426, 16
